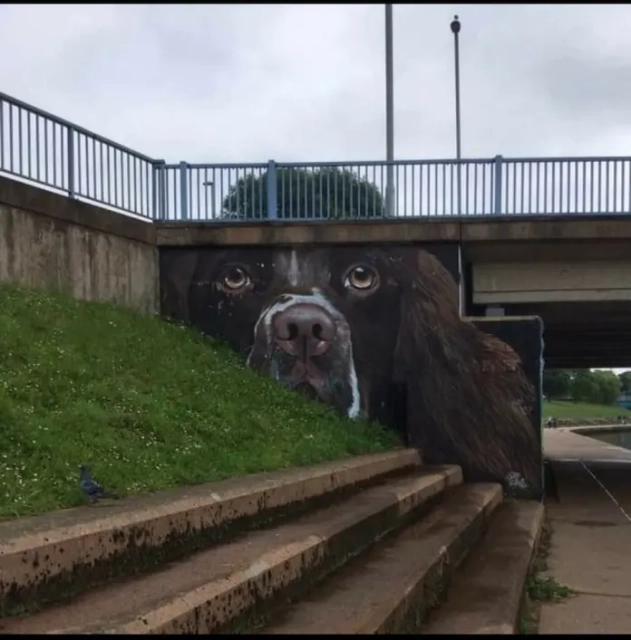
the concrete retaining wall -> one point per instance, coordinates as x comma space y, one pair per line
52, 242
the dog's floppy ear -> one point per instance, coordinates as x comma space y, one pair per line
497, 357
468, 397
429, 310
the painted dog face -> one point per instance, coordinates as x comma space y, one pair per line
373, 330
317, 320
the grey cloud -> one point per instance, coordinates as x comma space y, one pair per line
591, 88
213, 83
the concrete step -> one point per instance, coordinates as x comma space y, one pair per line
62, 553
389, 588
220, 588
486, 594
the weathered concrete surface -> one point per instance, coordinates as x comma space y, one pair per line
486, 594
535, 251
214, 588
564, 443
470, 231
591, 546
39, 555
283, 233
547, 228
390, 587
581, 280
587, 614
52, 242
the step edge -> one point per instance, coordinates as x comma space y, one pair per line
407, 610
31, 562
266, 577
13, 542
394, 613
514, 597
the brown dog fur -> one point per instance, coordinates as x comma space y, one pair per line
468, 387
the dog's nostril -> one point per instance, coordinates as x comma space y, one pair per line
317, 331
293, 330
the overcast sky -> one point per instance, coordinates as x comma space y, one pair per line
249, 83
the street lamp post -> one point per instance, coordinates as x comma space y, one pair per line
455, 29
389, 113
211, 184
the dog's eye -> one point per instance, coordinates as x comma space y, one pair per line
361, 278
234, 279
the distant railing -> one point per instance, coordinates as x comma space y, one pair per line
328, 190
421, 188
38, 147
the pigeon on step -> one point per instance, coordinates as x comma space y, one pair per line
90, 487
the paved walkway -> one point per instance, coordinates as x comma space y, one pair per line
591, 541
566, 443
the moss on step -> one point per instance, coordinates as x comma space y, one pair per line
140, 557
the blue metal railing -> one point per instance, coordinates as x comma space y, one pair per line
422, 188
38, 147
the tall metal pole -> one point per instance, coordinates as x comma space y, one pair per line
455, 29
389, 114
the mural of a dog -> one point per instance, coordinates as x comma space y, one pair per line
346, 324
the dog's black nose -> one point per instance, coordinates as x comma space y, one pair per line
303, 330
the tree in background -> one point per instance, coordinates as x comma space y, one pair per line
584, 387
327, 193
608, 384
625, 382
557, 384
597, 387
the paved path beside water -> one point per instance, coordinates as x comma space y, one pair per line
567, 443
591, 534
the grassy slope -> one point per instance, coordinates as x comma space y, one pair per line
564, 409
148, 404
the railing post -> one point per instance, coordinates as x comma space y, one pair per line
272, 191
70, 143
497, 182
389, 189
183, 190
157, 199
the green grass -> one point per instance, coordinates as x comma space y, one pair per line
567, 409
147, 404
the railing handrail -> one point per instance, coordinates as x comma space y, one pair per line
217, 165
569, 159
66, 123
403, 162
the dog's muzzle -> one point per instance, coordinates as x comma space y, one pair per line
304, 342
303, 331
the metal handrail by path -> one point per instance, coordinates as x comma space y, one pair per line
40, 148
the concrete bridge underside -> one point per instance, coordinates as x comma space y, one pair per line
581, 288
581, 335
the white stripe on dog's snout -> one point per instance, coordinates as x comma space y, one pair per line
293, 273
290, 300
267, 316
353, 410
